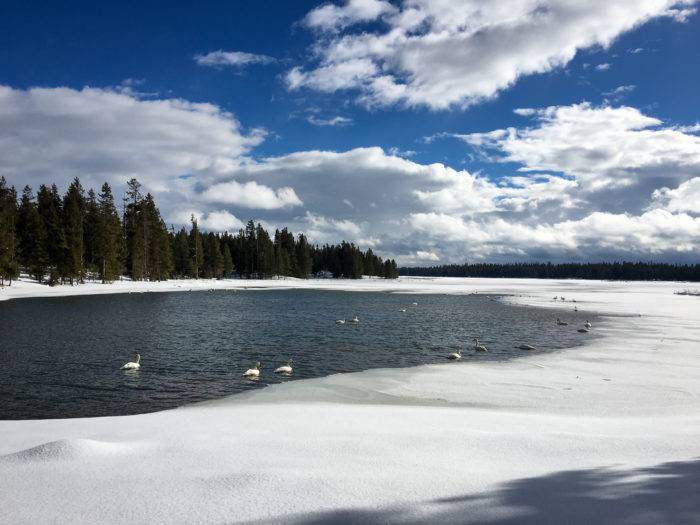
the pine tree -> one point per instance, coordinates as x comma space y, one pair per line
73, 210
228, 261
196, 250
32, 236
8, 219
303, 256
109, 248
91, 226
181, 253
49, 205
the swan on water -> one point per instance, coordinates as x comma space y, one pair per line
340, 321
285, 369
587, 324
253, 372
561, 323
354, 320
526, 347
478, 347
415, 303
455, 356
133, 365
402, 310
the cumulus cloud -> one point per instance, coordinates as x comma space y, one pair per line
222, 58
623, 235
100, 134
443, 53
684, 198
602, 148
197, 159
217, 221
251, 195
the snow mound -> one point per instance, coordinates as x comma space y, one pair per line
67, 449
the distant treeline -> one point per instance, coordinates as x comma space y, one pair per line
622, 271
67, 238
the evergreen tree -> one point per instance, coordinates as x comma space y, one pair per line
181, 253
196, 250
228, 260
50, 210
134, 243
8, 244
31, 236
303, 256
73, 210
91, 234
109, 250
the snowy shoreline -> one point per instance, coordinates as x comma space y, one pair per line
574, 436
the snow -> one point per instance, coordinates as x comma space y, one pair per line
608, 432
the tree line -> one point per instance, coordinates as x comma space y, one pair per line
624, 271
67, 238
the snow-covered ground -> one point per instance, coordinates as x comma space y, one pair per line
608, 432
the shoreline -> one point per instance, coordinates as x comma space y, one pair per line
624, 407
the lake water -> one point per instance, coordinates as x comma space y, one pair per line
62, 356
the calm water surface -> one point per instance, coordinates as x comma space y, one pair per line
62, 356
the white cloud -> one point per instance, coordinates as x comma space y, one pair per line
602, 67
600, 147
332, 17
101, 135
652, 233
397, 152
217, 221
618, 93
222, 58
196, 159
333, 121
444, 53
693, 128
251, 195
685, 198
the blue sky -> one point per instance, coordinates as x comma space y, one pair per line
392, 155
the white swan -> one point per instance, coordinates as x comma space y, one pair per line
561, 323
253, 372
354, 320
526, 347
455, 356
340, 321
478, 347
285, 369
587, 324
402, 310
133, 365
415, 303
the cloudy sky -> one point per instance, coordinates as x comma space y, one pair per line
433, 131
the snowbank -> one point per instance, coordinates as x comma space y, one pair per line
607, 432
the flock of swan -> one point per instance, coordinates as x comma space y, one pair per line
254, 371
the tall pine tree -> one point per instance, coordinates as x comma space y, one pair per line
8, 244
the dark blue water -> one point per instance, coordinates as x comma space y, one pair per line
62, 356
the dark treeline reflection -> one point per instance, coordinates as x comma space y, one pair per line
627, 271
64, 238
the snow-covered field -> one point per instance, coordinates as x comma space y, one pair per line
609, 432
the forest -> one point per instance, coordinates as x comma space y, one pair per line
81, 235
625, 271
